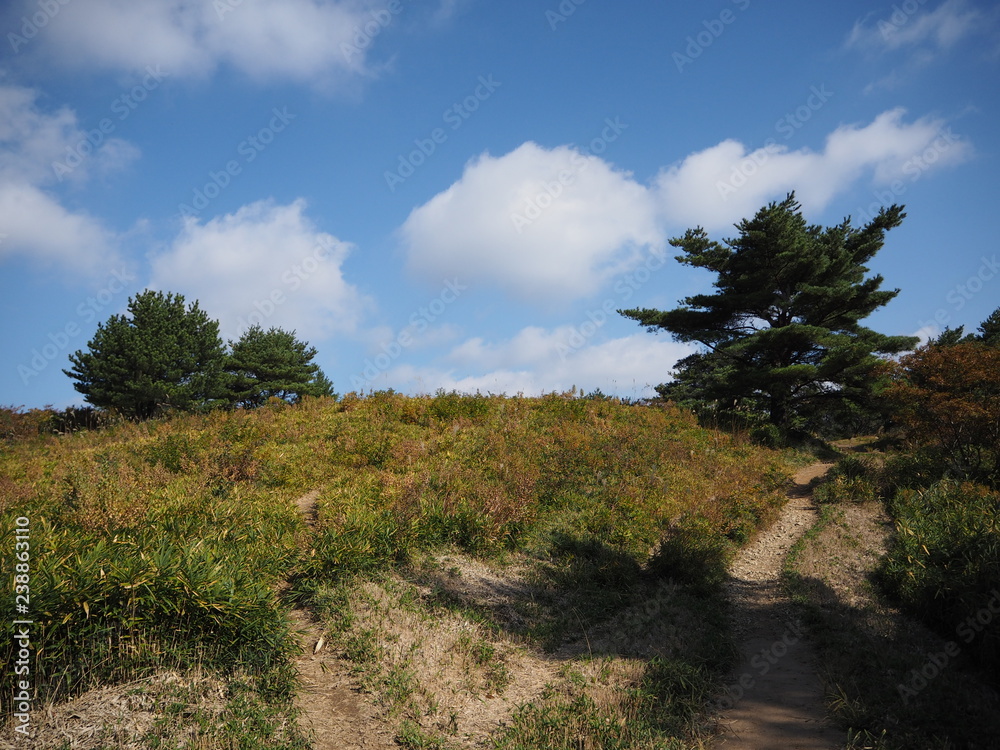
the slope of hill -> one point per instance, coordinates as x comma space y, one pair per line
167, 556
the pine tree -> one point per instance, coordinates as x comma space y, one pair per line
989, 329
780, 336
161, 356
273, 364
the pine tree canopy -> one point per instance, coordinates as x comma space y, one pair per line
780, 336
989, 329
160, 356
273, 364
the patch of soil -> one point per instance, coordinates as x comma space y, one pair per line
846, 553
332, 711
774, 697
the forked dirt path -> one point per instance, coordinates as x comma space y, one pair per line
331, 710
774, 698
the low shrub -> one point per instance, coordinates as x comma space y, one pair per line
694, 553
944, 562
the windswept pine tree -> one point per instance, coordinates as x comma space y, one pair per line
781, 337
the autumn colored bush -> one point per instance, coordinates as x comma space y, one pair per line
946, 403
17, 423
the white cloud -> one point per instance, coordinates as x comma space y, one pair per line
544, 224
514, 223
35, 224
314, 40
538, 360
938, 29
722, 184
265, 264
36, 227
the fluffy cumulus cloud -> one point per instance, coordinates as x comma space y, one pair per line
313, 40
555, 224
264, 265
912, 24
726, 182
544, 224
40, 152
538, 360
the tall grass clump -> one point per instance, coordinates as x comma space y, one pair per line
153, 546
944, 562
119, 608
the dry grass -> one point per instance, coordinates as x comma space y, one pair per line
126, 716
442, 671
168, 542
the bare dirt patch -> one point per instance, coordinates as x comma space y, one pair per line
774, 697
845, 554
333, 712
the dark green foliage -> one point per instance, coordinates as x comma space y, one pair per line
692, 555
951, 336
273, 364
988, 333
944, 563
989, 329
781, 335
160, 357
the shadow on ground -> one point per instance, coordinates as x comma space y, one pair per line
889, 678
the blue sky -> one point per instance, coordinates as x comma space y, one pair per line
459, 193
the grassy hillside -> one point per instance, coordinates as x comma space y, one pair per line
178, 545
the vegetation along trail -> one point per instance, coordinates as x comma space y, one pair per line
774, 698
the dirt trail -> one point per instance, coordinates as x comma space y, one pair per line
774, 698
331, 711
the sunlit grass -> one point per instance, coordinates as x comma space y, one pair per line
165, 544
